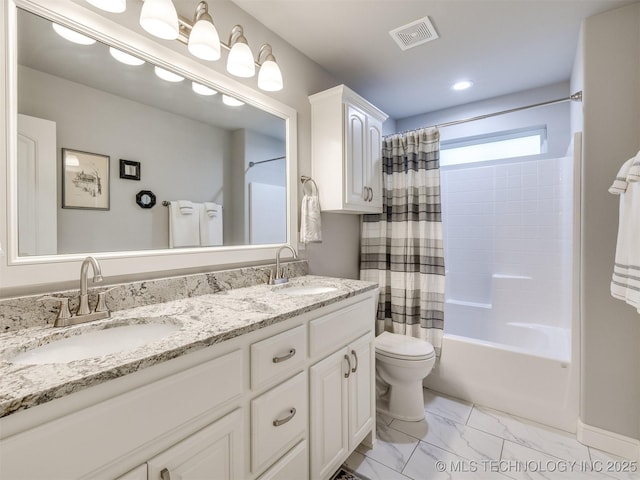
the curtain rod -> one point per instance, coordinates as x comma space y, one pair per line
251, 164
576, 97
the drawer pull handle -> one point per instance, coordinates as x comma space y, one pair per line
277, 423
291, 353
355, 356
164, 474
346, 375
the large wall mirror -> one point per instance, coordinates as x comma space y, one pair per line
119, 153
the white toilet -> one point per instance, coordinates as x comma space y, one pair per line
402, 363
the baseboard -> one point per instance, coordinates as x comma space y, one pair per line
610, 442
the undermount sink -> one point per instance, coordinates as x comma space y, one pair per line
306, 290
96, 343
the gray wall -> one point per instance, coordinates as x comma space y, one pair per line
608, 71
188, 165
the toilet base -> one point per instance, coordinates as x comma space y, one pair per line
403, 402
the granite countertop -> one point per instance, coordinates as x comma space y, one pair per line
204, 320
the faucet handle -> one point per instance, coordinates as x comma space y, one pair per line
101, 305
64, 312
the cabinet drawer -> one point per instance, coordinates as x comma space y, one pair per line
278, 421
277, 357
292, 466
332, 331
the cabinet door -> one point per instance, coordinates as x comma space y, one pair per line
215, 453
374, 162
355, 169
328, 412
361, 389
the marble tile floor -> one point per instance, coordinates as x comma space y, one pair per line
462, 441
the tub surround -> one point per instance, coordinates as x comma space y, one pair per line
32, 311
206, 319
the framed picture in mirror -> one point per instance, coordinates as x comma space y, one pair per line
85, 180
129, 169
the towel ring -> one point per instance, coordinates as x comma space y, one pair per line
305, 180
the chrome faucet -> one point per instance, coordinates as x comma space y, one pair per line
280, 278
83, 308
84, 313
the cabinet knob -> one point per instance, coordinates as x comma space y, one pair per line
291, 353
346, 375
164, 474
282, 421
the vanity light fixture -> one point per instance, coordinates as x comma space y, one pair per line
270, 76
204, 41
231, 101
159, 18
72, 35
240, 59
167, 75
113, 6
202, 89
125, 58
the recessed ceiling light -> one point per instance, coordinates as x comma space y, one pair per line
125, 58
462, 85
72, 35
167, 75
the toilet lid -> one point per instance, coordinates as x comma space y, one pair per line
401, 346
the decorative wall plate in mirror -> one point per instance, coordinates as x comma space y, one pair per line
146, 199
193, 146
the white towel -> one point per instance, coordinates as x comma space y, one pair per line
310, 221
625, 282
184, 224
211, 224
634, 170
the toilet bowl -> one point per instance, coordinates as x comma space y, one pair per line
401, 364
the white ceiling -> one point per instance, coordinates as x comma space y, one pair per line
503, 46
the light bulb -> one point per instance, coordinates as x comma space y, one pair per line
113, 6
167, 75
72, 35
270, 77
202, 89
125, 58
204, 41
159, 18
463, 85
231, 101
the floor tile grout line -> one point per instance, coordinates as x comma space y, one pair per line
384, 464
409, 459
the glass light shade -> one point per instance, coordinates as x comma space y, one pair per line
167, 75
125, 58
270, 77
204, 41
159, 18
240, 61
113, 6
202, 89
232, 102
72, 35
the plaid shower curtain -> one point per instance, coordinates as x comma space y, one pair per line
401, 248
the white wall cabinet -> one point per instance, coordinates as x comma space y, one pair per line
342, 408
346, 151
235, 410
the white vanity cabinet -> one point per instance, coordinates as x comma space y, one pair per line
237, 410
346, 151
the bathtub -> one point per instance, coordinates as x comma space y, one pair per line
524, 369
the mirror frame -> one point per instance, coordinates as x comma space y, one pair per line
50, 272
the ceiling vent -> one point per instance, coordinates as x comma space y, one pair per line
414, 34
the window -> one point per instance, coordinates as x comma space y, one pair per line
495, 146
